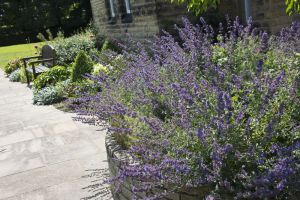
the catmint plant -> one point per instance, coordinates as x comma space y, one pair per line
205, 112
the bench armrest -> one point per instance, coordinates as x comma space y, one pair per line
31, 57
41, 61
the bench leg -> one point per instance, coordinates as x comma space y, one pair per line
26, 73
33, 71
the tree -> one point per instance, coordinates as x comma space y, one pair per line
200, 6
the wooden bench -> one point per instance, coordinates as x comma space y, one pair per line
44, 61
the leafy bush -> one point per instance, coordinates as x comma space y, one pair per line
100, 39
47, 95
68, 48
200, 112
54, 75
23, 75
98, 68
82, 65
13, 66
74, 89
112, 45
115, 63
15, 76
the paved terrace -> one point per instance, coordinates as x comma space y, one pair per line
44, 154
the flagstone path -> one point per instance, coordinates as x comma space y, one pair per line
44, 154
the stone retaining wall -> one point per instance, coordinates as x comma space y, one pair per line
115, 155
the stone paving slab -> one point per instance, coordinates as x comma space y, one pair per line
44, 154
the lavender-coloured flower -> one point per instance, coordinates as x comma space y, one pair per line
200, 133
264, 42
259, 67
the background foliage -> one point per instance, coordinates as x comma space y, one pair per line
20, 19
68, 48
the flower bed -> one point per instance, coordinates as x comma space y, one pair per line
218, 109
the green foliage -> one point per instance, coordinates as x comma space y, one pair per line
98, 69
100, 40
60, 35
111, 45
24, 16
198, 6
15, 76
115, 64
12, 66
68, 48
73, 89
47, 95
54, 75
41, 37
50, 36
82, 65
292, 6
23, 75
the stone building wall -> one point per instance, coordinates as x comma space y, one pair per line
151, 16
271, 15
232, 8
144, 24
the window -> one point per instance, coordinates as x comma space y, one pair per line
126, 16
125, 9
112, 11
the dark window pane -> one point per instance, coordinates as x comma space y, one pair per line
126, 16
112, 11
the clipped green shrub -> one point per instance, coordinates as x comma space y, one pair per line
47, 95
14, 76
13, 66
82, 65
54, 75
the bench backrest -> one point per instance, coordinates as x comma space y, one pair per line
48, 52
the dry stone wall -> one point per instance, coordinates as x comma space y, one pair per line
115, 157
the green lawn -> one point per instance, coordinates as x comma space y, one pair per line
8, 53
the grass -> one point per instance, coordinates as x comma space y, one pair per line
8, 53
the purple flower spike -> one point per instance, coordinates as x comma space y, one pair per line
200, 133
259, 67
264, 42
